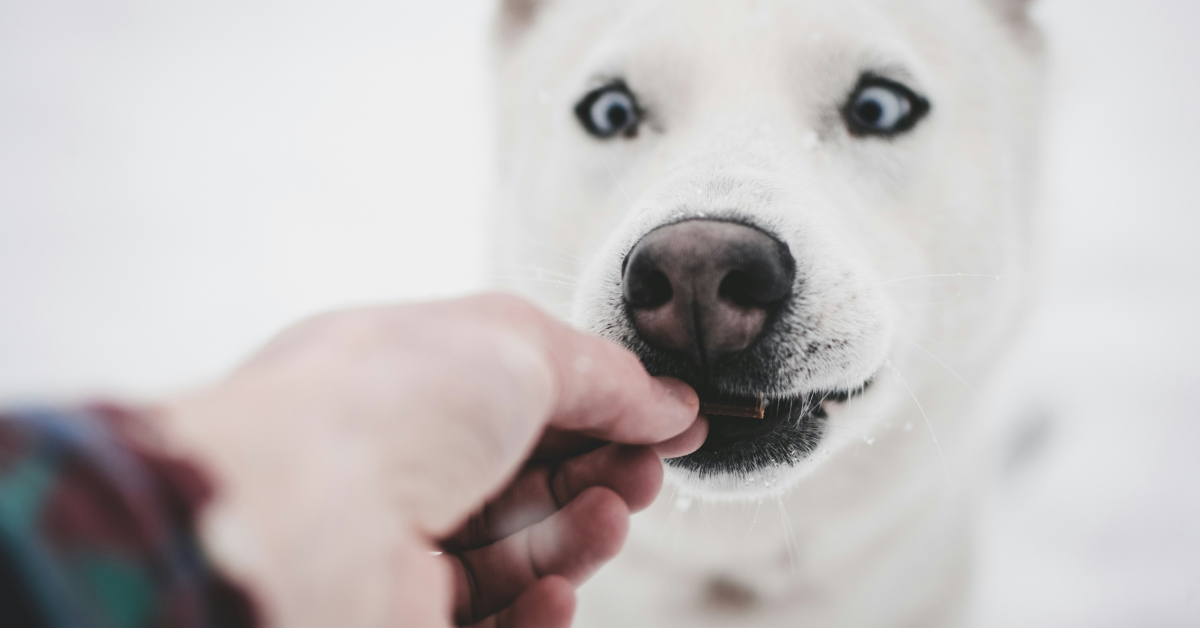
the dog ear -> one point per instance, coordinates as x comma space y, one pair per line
1014, 12
517, 15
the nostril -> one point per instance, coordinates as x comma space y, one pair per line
749, 289
738, 287
705, 289
648, 290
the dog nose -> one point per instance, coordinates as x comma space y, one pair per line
706, 288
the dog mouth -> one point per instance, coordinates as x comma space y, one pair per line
789, 430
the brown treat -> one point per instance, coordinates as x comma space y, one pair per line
741, 407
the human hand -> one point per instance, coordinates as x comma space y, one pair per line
358, 442
517, 561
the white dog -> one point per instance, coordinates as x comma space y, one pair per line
818, 205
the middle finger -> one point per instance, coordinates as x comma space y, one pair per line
633, 473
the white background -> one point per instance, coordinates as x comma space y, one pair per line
179, 180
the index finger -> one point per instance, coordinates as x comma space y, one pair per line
599, 388
605, 392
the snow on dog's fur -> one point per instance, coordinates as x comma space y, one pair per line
908, 223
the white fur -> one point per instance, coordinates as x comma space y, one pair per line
898, 243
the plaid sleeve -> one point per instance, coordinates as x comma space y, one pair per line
98, 531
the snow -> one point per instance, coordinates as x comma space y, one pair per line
1095, 519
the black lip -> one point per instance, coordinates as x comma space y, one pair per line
791, 429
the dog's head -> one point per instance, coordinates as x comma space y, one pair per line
771, 199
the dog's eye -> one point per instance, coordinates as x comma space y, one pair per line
609, 110
882, 107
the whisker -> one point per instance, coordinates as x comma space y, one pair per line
944, 365
670, 517
925, 338
535, 268
704, 515
968, 275
848, 429
550, 282
567, 255
857, 435
751, 528
789, 535
618, 182
555, 303
539, 272
941, 455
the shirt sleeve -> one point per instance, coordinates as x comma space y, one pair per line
98, 529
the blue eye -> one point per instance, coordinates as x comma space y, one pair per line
882, 107
609, 111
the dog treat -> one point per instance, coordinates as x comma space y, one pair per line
740, 407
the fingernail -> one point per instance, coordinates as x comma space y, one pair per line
680, 391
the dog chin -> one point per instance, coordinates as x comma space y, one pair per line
768, 482
754, 458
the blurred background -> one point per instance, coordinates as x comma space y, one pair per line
180, 180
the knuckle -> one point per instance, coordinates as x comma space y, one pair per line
611, 514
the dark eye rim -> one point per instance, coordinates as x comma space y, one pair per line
583, 110
918, 110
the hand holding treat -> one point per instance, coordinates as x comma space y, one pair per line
358, 444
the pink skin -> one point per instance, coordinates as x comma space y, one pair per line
358, 442
563, 519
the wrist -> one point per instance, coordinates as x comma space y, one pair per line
301, 513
